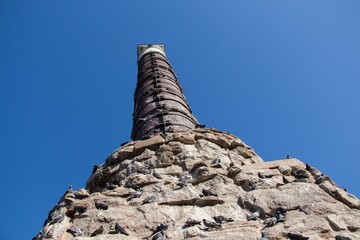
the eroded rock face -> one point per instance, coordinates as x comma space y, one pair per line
169, 179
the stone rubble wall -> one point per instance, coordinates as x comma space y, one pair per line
193, 161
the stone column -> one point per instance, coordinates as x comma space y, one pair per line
160, 105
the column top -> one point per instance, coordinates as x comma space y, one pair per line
143, 49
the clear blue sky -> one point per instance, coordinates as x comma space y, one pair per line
284, 76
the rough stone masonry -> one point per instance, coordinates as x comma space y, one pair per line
191, 182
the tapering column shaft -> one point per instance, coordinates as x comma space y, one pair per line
160, 104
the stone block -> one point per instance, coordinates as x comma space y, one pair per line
150, 143
185, 138
339, 194
336, 222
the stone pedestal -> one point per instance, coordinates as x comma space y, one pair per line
198, 175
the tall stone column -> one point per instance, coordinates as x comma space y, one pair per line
160, 104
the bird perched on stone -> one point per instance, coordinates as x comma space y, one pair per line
339, 237
279, 217
130, 184
319, 179
109, 186
102, 205
60, 204
216, 161
74, 231
279, 213
95, 168
158, 236
295, 236
191, 222
131, 168
261, 175
210, 224
97, 231
48, 231
69, 190
120, 229
264, 236
182, 182
301, 174
221, 219
80, 209
270, 221
56, 217
308, 167
149, 199
207, 192
253, 216
253, 186
135, 194
156, 175
283, 209
143, 170
162, 227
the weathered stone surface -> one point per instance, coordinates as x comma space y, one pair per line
339, 194
285, 170
185, 165
185, 138
146, 154
336, 222
148, 143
